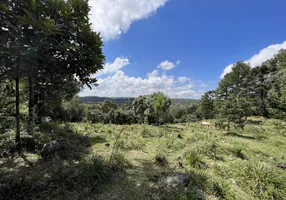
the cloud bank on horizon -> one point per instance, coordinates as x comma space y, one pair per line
113, 82
113, 17
256, 60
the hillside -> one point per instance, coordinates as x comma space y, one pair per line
122, 100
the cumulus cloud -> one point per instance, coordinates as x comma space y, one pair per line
183, 79
121, 85
166, 65
153, 74
113, 17
118, 84
110, 68
256, 60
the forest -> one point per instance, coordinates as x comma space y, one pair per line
55, 146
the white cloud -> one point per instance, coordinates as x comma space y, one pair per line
203, 85
121, 85
183, 79
113, 17
118, 84
110, 68
256, 60
166, 65
154, 73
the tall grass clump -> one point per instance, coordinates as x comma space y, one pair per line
195, 159
264, 181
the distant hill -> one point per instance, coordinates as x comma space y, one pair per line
122, 100
95, 99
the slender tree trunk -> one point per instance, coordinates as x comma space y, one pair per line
31, 120
17, 111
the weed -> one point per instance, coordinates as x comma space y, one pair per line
265, 181
238, 151
99, 171
146, 132
119, 162
222, 189
195, 159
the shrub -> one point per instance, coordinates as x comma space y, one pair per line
119, 162
99, 171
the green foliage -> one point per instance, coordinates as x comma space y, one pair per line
265, 182
222, 189
206, 108
99, 172
119, 162
95, 162
185, 113
152, 109
195, 159
233, 104
239, 152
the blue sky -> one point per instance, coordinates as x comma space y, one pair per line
182, 47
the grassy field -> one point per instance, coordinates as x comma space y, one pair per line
105, 162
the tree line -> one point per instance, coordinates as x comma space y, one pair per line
246, 91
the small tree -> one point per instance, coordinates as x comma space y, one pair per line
206, 108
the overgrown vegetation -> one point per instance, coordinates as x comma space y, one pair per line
105, 161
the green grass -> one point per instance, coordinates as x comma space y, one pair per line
119, 162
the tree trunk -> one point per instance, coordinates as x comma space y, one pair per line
31, 120
17, 111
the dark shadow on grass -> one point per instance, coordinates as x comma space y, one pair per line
68, 174
241, 136
147, 180
172, 128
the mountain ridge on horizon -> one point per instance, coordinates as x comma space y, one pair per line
122, 100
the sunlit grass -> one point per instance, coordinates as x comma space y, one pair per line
241, 165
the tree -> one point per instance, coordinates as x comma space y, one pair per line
139, 106
108, 105
206, 108
161, 105
276, 96
152, 109
233, 103
51, 39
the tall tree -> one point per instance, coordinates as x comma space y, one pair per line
233, 103
52, 39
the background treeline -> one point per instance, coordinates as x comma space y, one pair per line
243, 92
247, 91
155, 108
